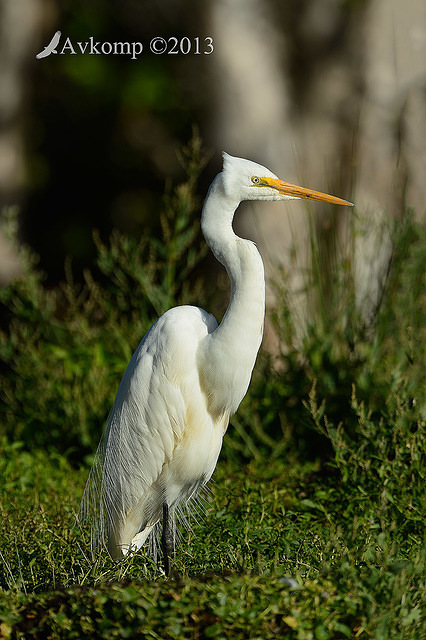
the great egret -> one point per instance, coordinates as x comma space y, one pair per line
185, 379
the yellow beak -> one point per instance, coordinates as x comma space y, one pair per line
294, 191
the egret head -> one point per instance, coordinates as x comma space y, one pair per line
246, 180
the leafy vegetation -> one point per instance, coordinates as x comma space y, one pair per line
87, 333
313, 528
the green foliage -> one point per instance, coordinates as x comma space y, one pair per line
75, 341
383, 461
341, 349
37, 511
282, 551
314, 526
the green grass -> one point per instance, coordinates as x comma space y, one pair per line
284, 549
314, 526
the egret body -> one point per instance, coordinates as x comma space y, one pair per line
186, 378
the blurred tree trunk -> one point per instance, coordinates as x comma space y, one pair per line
20, 22
329, 94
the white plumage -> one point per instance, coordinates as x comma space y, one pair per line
186, 378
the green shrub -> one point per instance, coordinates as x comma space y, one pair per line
381, 357
63, 350
315, 527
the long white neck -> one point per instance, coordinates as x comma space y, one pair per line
229, 353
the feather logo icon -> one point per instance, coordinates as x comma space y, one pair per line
51, 47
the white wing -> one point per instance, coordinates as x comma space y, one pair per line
145, 456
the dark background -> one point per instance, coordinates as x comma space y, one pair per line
90, 141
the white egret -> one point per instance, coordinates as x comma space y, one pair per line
186, 378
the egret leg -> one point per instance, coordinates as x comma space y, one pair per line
166, 539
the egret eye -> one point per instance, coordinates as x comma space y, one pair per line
255, 180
